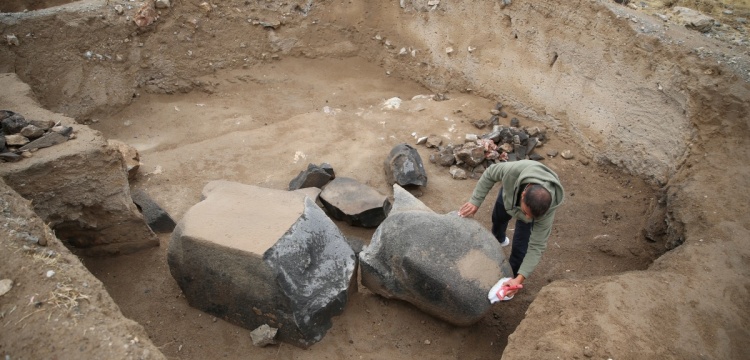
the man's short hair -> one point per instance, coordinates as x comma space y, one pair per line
538, 199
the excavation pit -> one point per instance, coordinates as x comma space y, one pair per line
253, 92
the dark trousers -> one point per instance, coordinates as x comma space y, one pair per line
500, 220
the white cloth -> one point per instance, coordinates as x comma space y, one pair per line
497, 293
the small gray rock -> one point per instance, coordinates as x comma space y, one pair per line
10, 157
434, 141
49, 139
42, 124
445, 157
536, 157
552, 153
161, 4
470, 154
314, 176
32, 132
458, 173
480, 124
62, 130
12, 122
16, 140
263, 335
5, 286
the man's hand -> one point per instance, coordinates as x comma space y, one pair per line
467, 210
518, 280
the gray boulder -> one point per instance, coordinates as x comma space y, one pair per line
12, 122
158, 220
357, 204
443, 264
404, 166
256, 256
314, 176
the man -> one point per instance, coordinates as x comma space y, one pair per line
531, 193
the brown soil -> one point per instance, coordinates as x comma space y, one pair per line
615, 203
226, 99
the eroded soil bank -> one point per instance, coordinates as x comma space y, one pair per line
632, 96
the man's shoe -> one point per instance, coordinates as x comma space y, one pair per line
506, 242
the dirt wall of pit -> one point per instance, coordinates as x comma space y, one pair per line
626, 92
54, 304
578, 67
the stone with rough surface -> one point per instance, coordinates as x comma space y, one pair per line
443, 264
313, 176
12, 122
263, 335
404, 166
693, 19
470, 154
255, 256
49, 139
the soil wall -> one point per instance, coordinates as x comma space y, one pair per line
576, 66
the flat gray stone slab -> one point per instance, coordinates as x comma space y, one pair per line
355, 203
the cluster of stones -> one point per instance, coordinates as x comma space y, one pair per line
20, 137
274, 261
480, 151
344, 199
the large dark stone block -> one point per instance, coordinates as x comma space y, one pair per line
256, 256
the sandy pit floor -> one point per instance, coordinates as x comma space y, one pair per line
264, 124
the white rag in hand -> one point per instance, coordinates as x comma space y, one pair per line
497, 293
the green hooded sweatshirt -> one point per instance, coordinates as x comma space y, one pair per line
514, 176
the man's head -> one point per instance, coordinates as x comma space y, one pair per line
535, 200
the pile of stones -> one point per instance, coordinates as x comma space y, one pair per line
502, 143
19, 137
